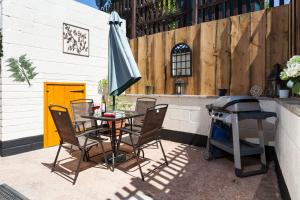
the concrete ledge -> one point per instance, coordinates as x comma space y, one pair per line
292, 104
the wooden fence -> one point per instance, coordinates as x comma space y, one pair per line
235, 53
294, 27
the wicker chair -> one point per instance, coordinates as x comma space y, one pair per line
67, 134
149, 132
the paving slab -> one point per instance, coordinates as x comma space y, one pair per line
187, 177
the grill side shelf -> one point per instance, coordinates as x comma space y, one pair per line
247, 148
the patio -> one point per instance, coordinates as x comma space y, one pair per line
228, 78
188, 176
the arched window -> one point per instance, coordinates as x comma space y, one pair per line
181, 59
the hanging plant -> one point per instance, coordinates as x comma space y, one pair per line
22, 69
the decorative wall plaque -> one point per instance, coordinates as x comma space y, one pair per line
75, 40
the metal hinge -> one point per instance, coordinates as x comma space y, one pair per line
78, 91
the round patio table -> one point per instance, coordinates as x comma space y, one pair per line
127, 115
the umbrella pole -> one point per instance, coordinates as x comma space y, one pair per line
114, 103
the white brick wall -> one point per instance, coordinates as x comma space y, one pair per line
188, 114
34, 27
287, 145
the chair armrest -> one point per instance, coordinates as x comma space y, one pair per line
129, 131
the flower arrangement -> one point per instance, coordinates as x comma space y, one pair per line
292, 74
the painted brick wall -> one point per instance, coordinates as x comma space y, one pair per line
188, 113
287, 145
34, 27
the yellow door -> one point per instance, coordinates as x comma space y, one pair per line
58, 94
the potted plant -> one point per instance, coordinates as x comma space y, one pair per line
103, 90
283, 90
291, 74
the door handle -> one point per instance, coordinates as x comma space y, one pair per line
77, 91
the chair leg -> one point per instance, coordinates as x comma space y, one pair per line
137, 158
162, 149
143, 153
156, 144
85, 156
104, 154
78, 166
56, 157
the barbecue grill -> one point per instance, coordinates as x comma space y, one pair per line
230, 110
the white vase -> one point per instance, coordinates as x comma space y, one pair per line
284, 93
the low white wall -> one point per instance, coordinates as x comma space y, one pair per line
35, 28
287, 145
187, 113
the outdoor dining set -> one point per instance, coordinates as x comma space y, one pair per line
85, 129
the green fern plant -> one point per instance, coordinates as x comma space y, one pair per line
22, 69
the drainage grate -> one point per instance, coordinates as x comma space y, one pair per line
8, 193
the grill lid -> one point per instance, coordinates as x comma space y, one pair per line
235, 104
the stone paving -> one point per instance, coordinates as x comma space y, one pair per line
188, 177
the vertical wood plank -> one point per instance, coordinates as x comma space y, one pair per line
180, 35
258, 49
134, 48
297, 27
150, 61
277, 37
208, 61
240, 43
169, 42
158, 65
193, 40
142, 63
294, 28
222, 53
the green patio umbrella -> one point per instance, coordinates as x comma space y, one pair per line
122, 68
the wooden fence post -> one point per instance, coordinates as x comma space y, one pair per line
133, 19
195, 11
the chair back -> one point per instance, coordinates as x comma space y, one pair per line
63, 124
83, 107
152, 125
142, 104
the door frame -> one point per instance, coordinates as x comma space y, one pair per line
46, 84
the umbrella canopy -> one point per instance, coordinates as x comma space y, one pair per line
122, 68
